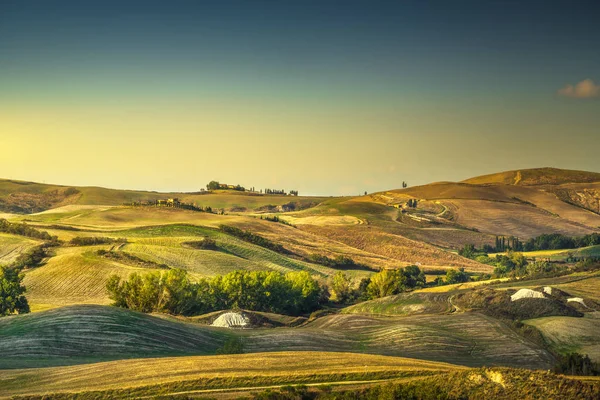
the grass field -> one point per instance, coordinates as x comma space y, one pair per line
79, 334
181, 374
403, 304
76, 275
11, 246
567, 334
86, 333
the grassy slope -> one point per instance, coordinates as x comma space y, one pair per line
76, 275
11, 246
50, 196
79, 334
403, 304
377, 233
536, 176
568, 334
216, 371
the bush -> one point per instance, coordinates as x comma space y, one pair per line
293, 293
94, 240
12, 299
25, 230
252, 238
233, 345
204, 244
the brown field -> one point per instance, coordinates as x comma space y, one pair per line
216, 371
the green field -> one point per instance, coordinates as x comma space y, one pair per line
567, 334
78, 334
11, 246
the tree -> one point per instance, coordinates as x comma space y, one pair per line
414, 276
340, 286
456, 276
468, 251
213, 185
12, 299
385, 283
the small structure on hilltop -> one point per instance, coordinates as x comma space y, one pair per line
174, 202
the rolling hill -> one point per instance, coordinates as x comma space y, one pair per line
536, 176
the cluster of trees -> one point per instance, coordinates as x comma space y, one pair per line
384, 283
130, 259
185, 206
204, 244
513, 264
12, 298
250, 237
31, 258
94, 240
275, 218
275, 191
172, 292
23, 229
576, 364
215, 185
412, 203
552, 241
338, 262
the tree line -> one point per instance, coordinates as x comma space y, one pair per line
23, 229
552, 241
12, 291
293, 293
250, 237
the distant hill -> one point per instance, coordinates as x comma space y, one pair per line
521, 203
21, 197
536, 176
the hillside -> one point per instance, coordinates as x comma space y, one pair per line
536, 176
133, 378
22, 197
83, 334
542, 201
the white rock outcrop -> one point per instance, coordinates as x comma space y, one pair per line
577, 300
527, 294
231, 320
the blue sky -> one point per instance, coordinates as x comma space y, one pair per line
328, 97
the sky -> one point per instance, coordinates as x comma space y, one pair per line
325, 97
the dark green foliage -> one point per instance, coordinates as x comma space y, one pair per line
552, 241
252, 238
12, 299
576, 364
31, 258
338, 262
233, 345
25, 230
130, 259
293, 293
456, 276
94, 240
275, 218
204, 244
213, 185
